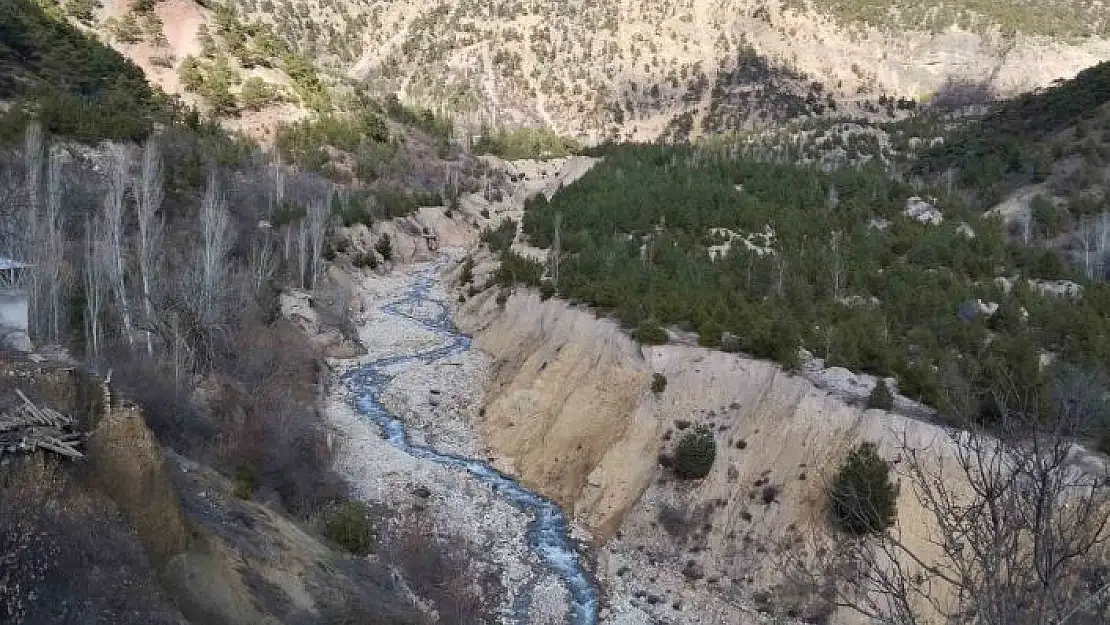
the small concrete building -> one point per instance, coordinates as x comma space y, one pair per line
14, 305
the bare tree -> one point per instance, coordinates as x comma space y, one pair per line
780, 264
94, 289
1025, 225
53, 249
317, 226
148, 199
833, 199
211, 262
277, 171
29, 230
33, 160
1102, 243
263, 262
302, 251
1088, 236
114, 237
1017, 521
556, 248
835, 265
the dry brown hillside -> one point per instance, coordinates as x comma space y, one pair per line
623, 69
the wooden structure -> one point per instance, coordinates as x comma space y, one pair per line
27, 428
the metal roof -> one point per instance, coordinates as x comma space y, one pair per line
7, 263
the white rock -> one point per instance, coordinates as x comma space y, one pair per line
988, 308
923, 211
878, 223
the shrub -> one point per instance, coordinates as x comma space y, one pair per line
695, 454
862, 497
770, 494
125, 29
247, 476
348, 525
367, 260
517, 269
658, 383
880, 396
651, 333
547, 290
385, 247
466, 276
709, 334
256, 93
502, 238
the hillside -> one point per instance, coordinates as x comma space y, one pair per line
611, 70
629, 70
165, 253
1040, 163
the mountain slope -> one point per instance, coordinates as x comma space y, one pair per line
612, 69
626, 69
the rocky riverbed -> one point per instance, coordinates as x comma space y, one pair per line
432, 386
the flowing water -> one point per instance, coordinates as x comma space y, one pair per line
549, 531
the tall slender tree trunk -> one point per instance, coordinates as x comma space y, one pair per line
148, 199
114, 236
93, 279
54, 248
32, 245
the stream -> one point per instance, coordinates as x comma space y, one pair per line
549, 530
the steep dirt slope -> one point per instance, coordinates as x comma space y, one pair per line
216, 558
570, 411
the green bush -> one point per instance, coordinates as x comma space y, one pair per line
862, 498
517, 269
651, 333
500, 239
547, 290
709, 334
348, 525
524, 143
695, 454
658, 383
247, 476
881, 397
256, 94
126, 29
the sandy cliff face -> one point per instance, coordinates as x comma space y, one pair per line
570, 410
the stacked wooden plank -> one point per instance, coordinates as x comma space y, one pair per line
27, 428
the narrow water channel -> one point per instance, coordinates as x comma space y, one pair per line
549, 531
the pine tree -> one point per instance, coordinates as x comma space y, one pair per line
880, 396
863, 498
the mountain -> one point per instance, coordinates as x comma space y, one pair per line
609, 69
629, 69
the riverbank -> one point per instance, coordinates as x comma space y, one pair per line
437, 398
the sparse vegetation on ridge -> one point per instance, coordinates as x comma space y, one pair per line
847, 275
1061, 18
